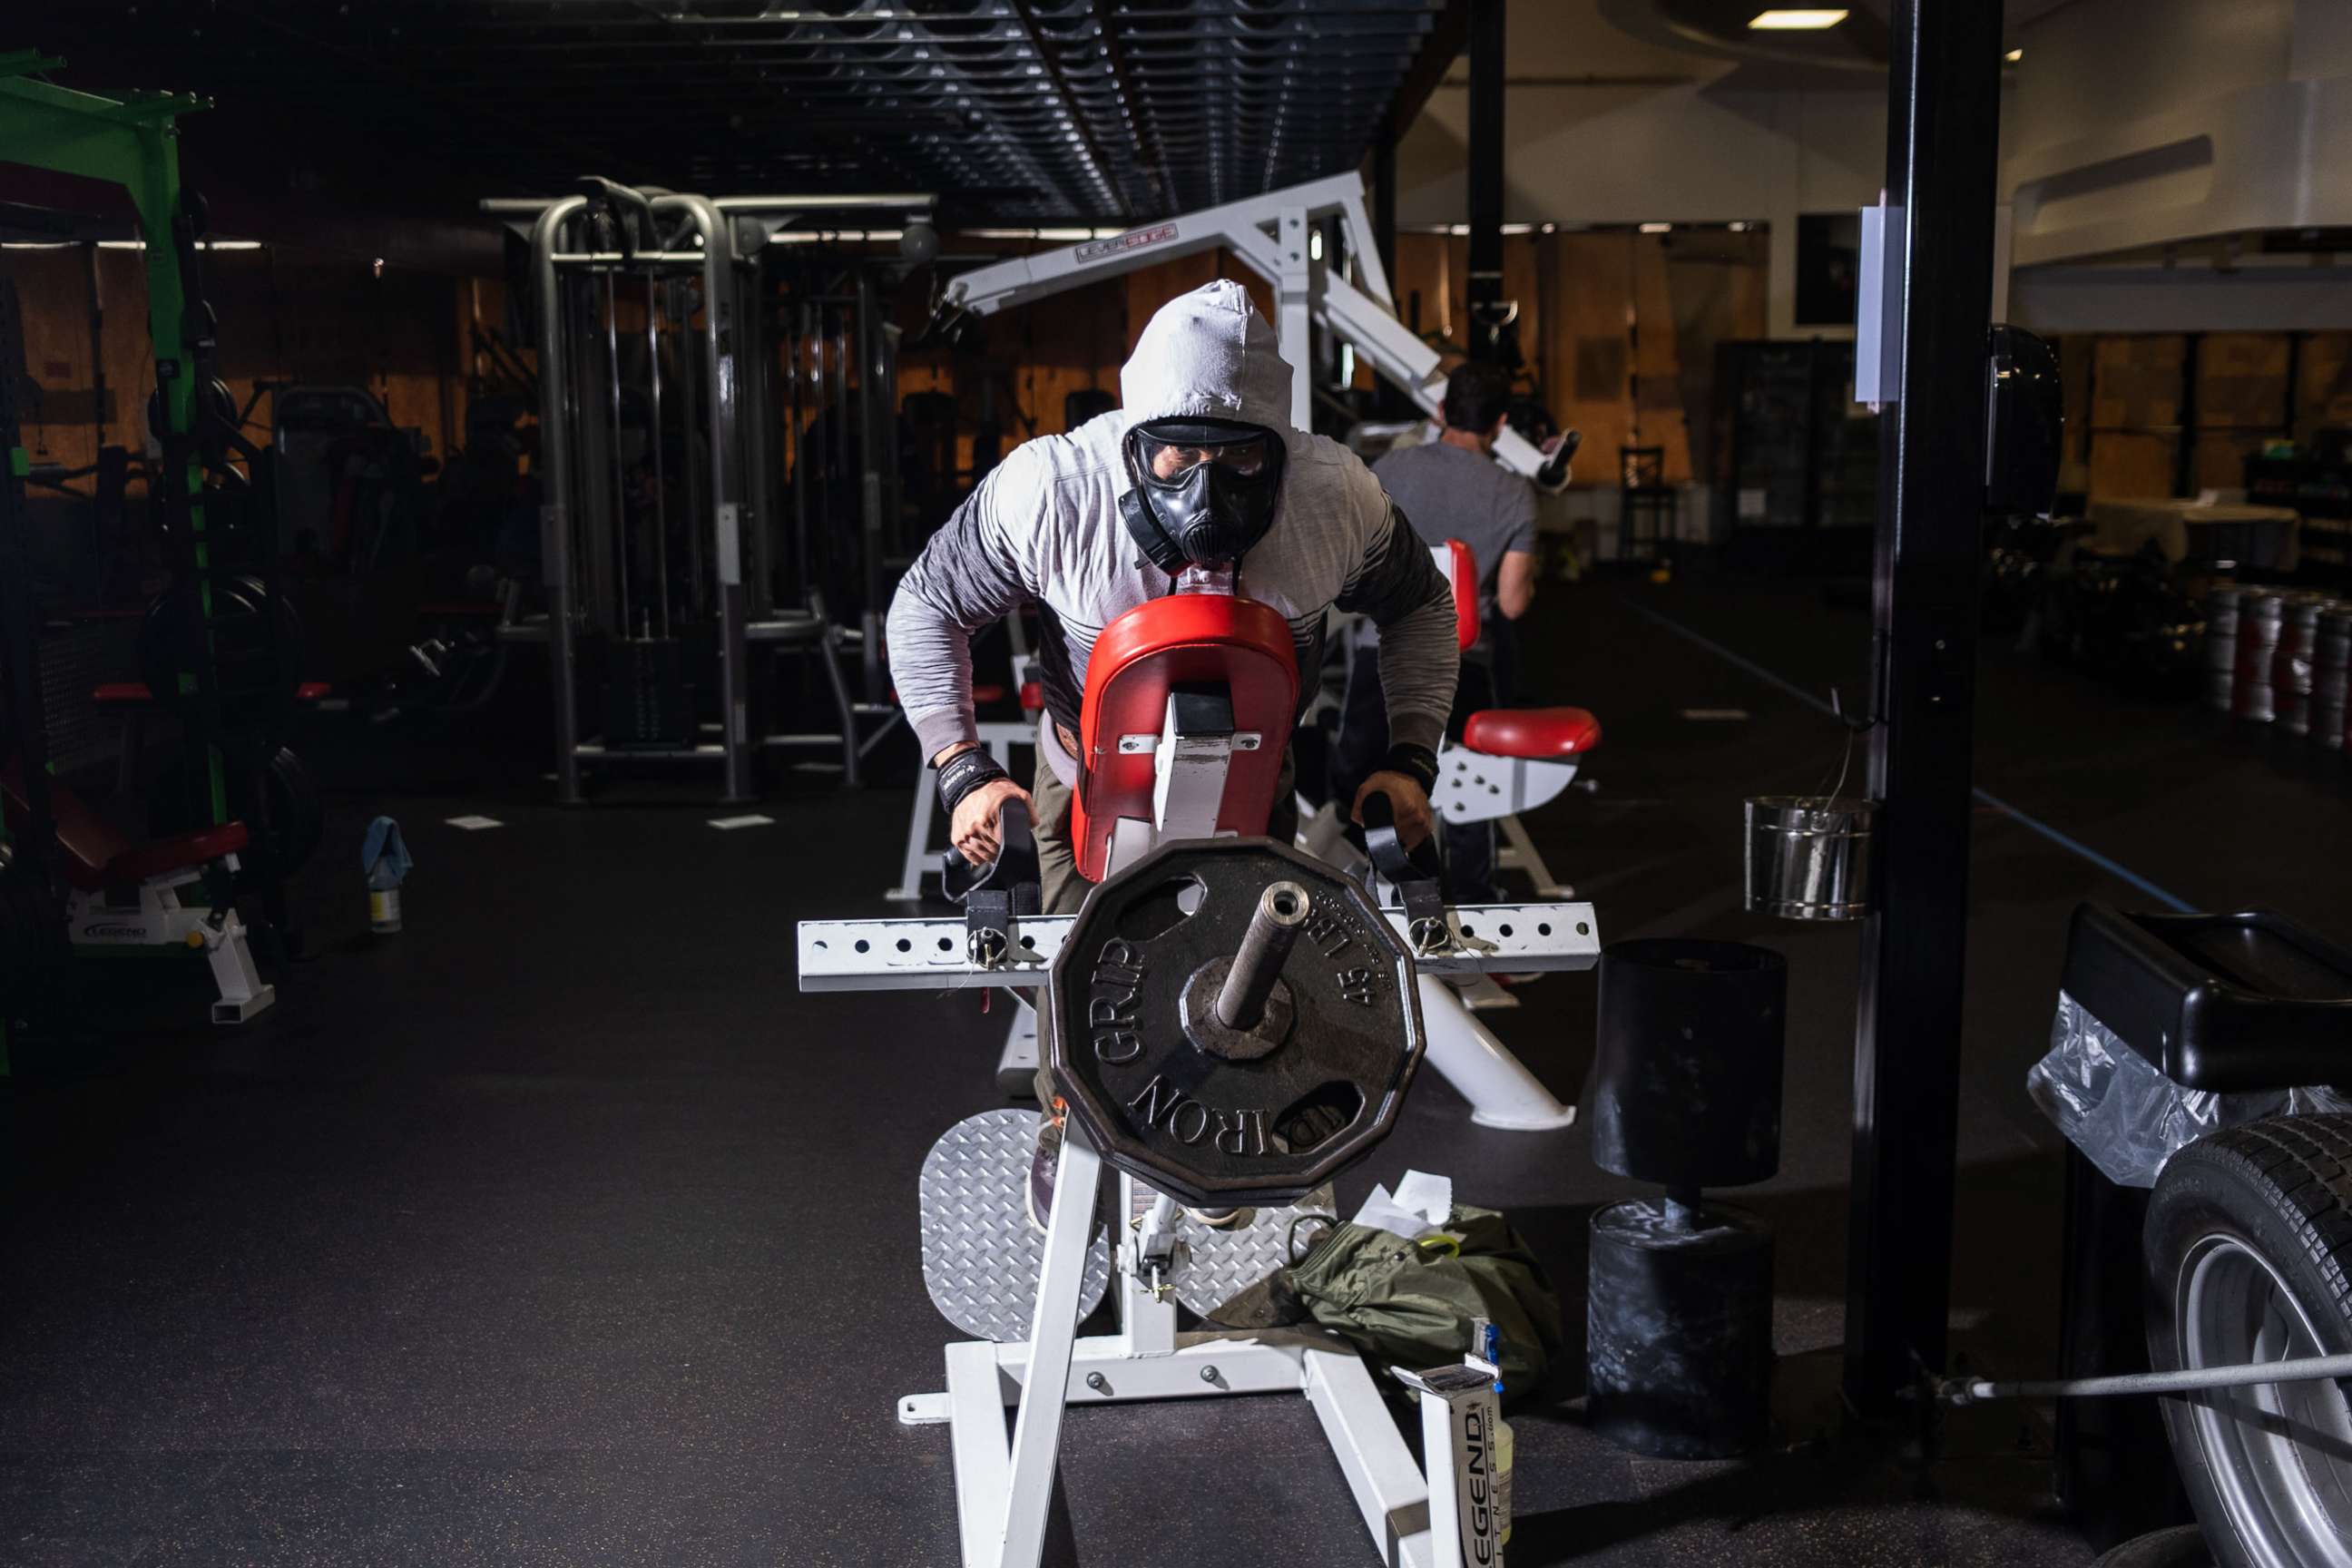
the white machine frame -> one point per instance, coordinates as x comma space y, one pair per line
163, 917
1269, 235
1004, 1494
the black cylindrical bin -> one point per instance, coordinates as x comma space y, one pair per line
1678, 1330
1686, 1073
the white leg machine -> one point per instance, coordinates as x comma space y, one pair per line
1002, 1495
1444, 1517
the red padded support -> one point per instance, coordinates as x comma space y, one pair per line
1207, 639
188, 849
1033, 697
1532, 732
97, 856
135, 693
1460, 569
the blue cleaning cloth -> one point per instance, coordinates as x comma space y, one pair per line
383, 855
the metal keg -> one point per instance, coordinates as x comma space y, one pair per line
2259, 614
2331, 677
2221, 643
2291, 664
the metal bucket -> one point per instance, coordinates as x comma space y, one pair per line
2221, 645
1809, 857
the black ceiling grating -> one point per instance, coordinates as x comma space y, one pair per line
1016, 112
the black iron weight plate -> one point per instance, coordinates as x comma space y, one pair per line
1207, 1130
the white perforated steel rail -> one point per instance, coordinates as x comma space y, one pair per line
929, 955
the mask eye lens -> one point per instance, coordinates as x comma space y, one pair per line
1173, 462
1248, 459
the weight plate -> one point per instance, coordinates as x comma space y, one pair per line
1219, 1130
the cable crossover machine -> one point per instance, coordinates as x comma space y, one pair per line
675, 571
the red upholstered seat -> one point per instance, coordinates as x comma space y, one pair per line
1460, 570
97, 856
135, 693
1210, 639
188, 849
1532, 732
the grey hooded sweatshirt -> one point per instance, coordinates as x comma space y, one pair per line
1044, 527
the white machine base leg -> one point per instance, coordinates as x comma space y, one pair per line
1390, 1489
1519, 854
242, 992
919, 839
1502, 1092
1016, 1066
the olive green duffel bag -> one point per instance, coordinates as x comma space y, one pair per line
1410, 1303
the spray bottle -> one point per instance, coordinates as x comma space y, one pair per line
384, 857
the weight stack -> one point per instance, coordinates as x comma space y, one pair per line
1678, 1330
647, 702
1685, 1092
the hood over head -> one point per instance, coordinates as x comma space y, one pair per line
1208, 354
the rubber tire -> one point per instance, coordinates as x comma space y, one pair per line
2282, 1188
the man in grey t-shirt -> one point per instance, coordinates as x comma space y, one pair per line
1453, 489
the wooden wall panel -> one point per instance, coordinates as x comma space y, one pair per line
2123, 438
2323, 377
2125, 466
2137, 384
281, 319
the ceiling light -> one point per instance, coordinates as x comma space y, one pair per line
2014, 55
1811, 20
1658, 228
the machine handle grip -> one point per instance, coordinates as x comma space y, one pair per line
1386, 847
1015, 865
1554, 473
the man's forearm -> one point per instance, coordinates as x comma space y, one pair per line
1404, 596
960, 582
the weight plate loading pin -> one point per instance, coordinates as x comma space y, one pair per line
1281, 909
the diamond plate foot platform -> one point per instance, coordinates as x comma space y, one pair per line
981, 1254
1216, 1263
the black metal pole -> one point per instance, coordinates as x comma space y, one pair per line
2184, 455
1485, 277
1385, 198
1943, 108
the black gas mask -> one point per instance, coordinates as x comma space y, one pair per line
1204, 490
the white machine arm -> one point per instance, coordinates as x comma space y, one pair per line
1268, 234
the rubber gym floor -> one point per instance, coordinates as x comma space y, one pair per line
561, 1230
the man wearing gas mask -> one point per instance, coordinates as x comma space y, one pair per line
1199, 471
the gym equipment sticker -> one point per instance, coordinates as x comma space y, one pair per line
1133, 239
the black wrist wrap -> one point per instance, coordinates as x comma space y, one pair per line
964, 773
1418, 763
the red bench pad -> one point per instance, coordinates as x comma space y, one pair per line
97, 856
1186, 638
1532, 732
135, 693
